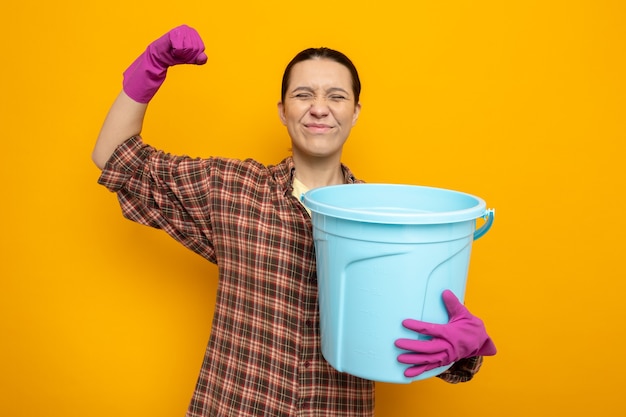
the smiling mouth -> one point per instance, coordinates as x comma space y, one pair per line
316, 127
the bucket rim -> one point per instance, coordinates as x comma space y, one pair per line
401, 218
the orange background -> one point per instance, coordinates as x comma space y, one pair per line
521, 103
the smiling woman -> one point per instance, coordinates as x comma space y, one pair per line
248, 219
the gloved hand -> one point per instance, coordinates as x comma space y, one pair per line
181, 45
463, 336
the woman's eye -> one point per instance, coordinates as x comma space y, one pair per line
337, 97
303, 95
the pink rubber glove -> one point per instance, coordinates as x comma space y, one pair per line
462, 337
181, 45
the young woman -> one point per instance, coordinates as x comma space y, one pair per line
263, 356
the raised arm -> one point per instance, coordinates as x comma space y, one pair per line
181, 45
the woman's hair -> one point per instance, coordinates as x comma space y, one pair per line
323, 53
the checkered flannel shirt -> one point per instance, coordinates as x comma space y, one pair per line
263, 357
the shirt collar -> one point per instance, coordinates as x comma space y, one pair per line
284, 173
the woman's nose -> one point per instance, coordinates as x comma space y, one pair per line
319, 108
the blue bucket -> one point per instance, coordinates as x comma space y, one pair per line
385, 253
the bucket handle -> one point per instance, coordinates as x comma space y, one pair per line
488, 216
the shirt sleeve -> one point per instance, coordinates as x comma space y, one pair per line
462, 370
166, 192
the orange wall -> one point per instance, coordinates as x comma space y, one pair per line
521, 103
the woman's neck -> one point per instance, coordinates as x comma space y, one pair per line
314, 173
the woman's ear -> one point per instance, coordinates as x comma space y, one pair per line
281, 112
357, 111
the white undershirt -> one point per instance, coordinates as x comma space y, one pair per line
298, 192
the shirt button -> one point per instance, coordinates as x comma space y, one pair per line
307, 364
309, 323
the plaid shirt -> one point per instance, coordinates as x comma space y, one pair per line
263, 357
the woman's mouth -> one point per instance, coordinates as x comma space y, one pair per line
318, 127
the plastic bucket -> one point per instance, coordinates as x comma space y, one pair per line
386, 252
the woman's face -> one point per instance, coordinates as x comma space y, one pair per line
319, 109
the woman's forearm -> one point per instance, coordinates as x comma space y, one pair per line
125, 119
